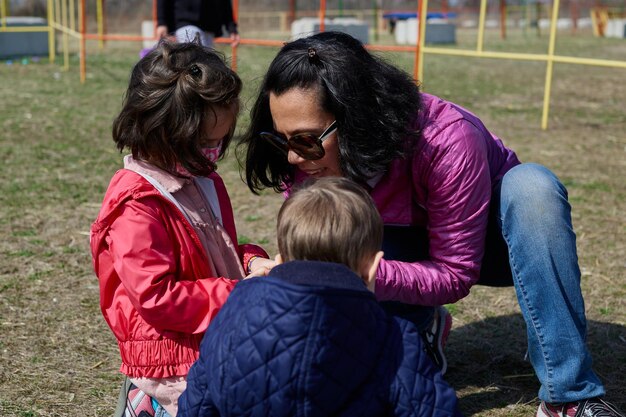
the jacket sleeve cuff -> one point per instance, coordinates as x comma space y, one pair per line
249, 253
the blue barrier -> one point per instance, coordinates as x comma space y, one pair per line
409, 15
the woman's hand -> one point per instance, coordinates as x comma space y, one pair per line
161, 32
234, 39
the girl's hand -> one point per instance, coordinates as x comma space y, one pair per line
260, 267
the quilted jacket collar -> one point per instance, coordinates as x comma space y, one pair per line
319, 273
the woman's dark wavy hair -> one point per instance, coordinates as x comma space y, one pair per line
373, 102
172, 92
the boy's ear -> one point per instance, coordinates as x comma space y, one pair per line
369, 271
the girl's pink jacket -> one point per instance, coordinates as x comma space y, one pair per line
160, 313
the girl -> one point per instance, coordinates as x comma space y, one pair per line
164, 244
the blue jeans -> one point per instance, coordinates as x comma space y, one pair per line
534, 216
530, 244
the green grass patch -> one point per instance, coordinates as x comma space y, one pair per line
58, 157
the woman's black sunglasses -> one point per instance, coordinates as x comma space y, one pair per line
307, 145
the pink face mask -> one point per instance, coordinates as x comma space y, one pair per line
209, 153
212, 153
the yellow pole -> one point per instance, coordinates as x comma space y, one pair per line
51, 33
83, 47
416, 55
548, 86
422, 40
100, 21
481, 25
57, 11
66, 47
3, 13
72, 15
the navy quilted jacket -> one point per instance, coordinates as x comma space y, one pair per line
311, 340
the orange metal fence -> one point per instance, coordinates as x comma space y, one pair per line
62, 16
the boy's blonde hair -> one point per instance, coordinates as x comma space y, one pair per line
331, 219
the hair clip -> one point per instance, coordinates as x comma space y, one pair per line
195, 70
313, 56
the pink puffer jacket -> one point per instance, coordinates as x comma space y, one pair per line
157, 290
446, 187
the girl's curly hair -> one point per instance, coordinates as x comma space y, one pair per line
171, 93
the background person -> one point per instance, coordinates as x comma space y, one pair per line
164, 244
310, 339
188, 18
458, 206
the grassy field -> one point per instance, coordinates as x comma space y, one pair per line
57, 356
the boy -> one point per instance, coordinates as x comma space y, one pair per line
310, 338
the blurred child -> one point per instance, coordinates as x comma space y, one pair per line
310, 338
164, 244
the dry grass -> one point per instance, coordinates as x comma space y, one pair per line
58, 358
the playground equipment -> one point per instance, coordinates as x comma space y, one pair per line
615, 28
440, 28
609, 22
19, 43
69, 18
307, 25
16, 34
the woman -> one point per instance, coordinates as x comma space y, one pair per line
458, 206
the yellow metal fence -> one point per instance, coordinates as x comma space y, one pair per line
68, 18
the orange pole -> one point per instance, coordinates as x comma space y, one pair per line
574, 15
292, 11
503, 19
233, 48
322, 14
392, 48
257, 42
277, 43
233, 63
83, 45
95, 36
416, 62
104, 17
154, 18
